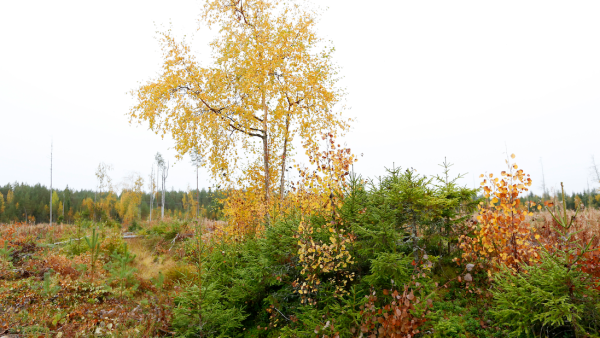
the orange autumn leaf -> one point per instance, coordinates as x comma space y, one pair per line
503, 233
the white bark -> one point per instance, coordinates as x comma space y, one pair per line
50, 186
152, 190
165, 174
595, 169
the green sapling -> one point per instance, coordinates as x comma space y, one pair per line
5, 253
94, 245
121, 270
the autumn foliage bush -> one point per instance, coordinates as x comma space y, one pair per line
338, 256
503, 236
542, 277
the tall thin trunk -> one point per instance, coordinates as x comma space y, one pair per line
141, 201
165, 174
51, 146
284, 157
162, 201
595, 169
199, 250
266, 156
543, 180
197, 196
151, 193
152, 190
162, 194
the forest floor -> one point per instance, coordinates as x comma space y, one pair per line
58, 281
52, 284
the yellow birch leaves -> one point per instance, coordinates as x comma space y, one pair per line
318, 257
268, 85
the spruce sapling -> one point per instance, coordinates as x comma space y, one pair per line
121, 270
94, 245
6, 253
48, 289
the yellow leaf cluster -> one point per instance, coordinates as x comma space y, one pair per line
131, 197
268, 85
317, 257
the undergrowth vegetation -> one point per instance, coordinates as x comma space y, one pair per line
404, 255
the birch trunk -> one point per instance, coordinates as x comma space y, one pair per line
197, 196
26, 220
165, 174
266, 156
284, 158
162, 202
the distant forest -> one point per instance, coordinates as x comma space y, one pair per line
584, 199
22, 202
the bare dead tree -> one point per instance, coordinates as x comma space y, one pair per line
152, 186
595, 170
51, 146
164, 173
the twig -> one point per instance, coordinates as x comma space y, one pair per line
173, 242
281, 313
72, 239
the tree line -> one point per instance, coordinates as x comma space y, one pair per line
20, 202
588, 198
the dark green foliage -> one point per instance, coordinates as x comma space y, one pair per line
93, 244
134, 226
341, 317
32, 201
5, 254
553, 296
387, 267
203, 313
457, 324
256, 276
253, 281
243, 278
545, 300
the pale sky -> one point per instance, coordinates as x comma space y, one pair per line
425, 80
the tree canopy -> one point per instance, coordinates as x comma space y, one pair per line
272, 80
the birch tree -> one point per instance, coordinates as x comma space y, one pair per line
51, 148
163, 172
152, 186
104, 203
196, 159
595, 170
272, 81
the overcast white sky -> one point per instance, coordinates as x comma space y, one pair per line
425, 80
